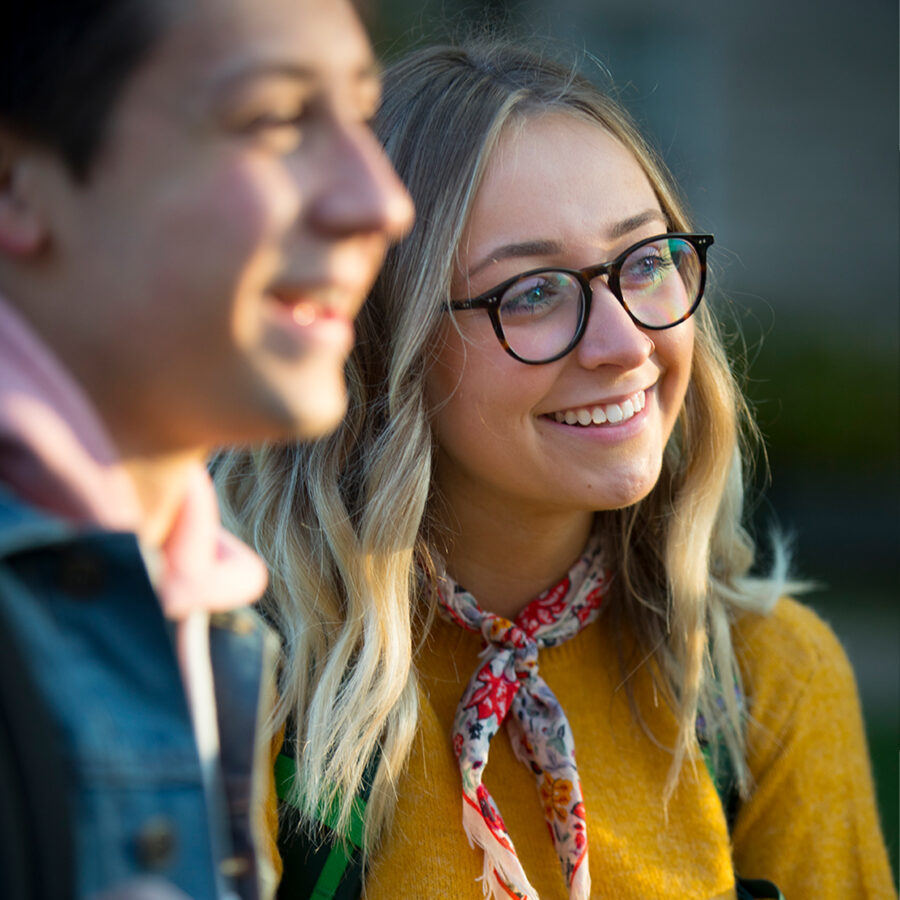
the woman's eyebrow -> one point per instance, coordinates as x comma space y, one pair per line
515, 251
525, 249
632, 223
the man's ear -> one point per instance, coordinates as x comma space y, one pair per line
22, 228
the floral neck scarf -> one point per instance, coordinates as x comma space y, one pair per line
507, 688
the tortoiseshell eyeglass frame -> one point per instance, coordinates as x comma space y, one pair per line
490, 300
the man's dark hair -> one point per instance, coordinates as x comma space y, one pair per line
63, 65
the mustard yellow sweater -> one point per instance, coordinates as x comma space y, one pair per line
810, 826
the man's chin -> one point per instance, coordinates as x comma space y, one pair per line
318, 413
300, 405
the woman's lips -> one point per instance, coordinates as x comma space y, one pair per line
602, 413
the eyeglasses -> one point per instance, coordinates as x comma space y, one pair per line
541, 315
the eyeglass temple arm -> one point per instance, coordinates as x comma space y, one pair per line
478, 303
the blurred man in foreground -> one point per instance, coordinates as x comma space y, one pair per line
192, 209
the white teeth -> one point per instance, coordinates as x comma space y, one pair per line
304, 313
599, 415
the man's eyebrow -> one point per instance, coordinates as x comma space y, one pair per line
369, 71
548, 248
265, 69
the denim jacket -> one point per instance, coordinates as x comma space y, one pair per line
103, 761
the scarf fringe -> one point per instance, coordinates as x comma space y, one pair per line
497, 859
580, 888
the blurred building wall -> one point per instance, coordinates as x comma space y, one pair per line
780, 120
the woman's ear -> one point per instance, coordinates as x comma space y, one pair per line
22, 226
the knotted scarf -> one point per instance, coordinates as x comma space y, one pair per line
507, 688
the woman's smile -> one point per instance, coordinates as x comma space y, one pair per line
602, 413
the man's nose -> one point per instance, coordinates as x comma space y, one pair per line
363, 193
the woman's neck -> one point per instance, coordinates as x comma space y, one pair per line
505, 559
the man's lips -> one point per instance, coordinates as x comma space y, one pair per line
309, 305
313, 319
306, 313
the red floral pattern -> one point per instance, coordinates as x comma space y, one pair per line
545, 609
495, 695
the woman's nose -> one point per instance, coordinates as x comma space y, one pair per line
611, 336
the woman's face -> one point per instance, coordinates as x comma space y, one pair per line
559, 191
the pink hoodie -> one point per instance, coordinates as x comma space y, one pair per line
56, 454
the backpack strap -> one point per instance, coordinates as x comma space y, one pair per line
753, 888
317, 864
725, 780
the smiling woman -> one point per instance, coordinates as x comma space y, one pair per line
535, 501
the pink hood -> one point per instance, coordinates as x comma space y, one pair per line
56, 454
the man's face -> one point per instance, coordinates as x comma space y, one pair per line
210, 268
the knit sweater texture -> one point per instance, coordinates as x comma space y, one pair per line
810, 825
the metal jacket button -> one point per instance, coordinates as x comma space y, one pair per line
156, 844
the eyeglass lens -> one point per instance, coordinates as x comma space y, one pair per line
659, 283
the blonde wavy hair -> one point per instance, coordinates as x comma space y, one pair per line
347, 524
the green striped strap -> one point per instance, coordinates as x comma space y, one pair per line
725, 780
757, 889
341, 853
330, 877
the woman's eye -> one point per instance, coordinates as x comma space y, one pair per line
533, 296
527, 299
649, 267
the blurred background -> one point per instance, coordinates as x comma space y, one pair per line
780, 121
